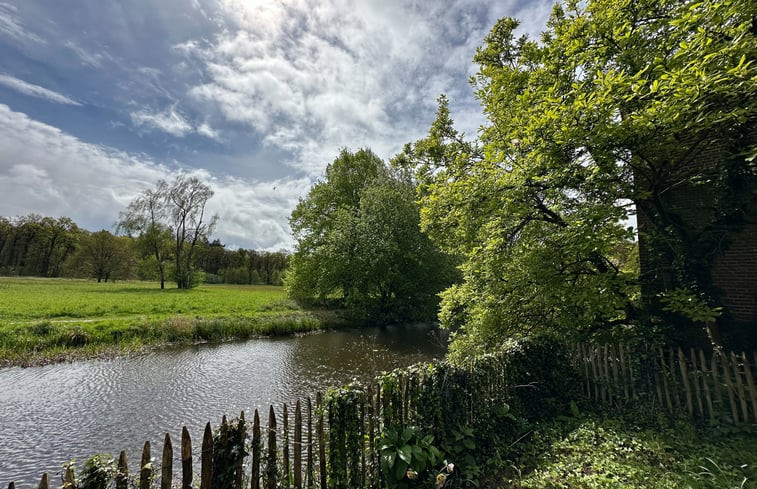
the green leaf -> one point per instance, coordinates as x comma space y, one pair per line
405, 453
400, 470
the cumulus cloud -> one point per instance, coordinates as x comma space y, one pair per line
35, 90
312, 76
49, 172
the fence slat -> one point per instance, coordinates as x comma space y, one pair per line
297, 445
145, 468
166, 469
705, 384
739, 387
240, 464
122, 476
321, 440
271, 462
696, 374
623, 370
730, 389
614, 366
69, 478
686, 383
362, 440
255, 474
45, 482
665, 385
717, 387
751, 385
286, 475
12, 485
595, 373
186, 459
309, 470
206, 459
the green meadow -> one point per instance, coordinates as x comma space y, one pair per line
48, 320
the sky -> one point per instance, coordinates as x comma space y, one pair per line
101, 99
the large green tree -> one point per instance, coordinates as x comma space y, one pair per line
359, 241
612, 108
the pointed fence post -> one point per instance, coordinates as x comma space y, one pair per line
255, 475
45, 482
186, 459
272, 470
166, 469
310, 470
297, 445
122, 477
206, 467
286, 476
240, 465
69, 478
145, 470
752, 387
321, 439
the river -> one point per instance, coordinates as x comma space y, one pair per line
55, 413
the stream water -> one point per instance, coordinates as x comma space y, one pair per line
52, 414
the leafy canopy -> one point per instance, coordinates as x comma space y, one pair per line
609, 109
359, 242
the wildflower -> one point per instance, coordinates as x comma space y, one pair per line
411, 474
440, 480
450, 468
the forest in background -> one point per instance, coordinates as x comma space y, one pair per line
37, 246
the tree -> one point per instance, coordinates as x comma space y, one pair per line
612, 108
359, 241
105, 256
186, 199
170, 222
144, 217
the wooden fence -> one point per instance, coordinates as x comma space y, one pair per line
704, 386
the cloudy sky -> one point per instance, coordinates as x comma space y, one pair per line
101, 99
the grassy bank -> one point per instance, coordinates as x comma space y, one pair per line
47, 320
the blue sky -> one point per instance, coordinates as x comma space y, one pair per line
100, 99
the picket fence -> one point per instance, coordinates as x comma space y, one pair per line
715, 386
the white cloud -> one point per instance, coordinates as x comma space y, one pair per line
311, 76
35, 90
49, 172
11, 26
171, 122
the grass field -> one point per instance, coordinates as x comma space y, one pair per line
44, 320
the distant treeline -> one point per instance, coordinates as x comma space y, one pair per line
56, 247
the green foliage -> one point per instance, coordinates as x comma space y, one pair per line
229, 451
343, 406
359, 241
407, 457
609, 109
621, 452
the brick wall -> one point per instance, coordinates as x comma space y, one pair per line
734, 269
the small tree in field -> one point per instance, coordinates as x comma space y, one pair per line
169, 222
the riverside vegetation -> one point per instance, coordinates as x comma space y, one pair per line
47, 320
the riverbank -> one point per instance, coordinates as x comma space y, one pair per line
56, 320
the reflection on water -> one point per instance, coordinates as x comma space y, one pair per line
51, 414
